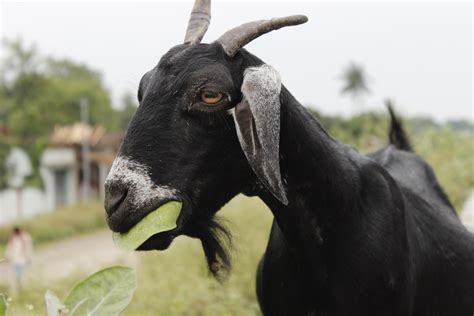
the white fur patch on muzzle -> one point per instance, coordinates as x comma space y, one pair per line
135, 178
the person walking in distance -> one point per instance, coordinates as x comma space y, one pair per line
18, 253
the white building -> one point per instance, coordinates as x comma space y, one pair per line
61, 172
17, 201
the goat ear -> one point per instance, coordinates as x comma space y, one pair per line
257, 120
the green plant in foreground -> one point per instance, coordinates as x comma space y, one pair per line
105, 293
3, 305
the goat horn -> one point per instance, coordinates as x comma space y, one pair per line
238, 37
198, 22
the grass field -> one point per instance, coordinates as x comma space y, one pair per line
176, 281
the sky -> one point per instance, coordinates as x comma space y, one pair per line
418, 54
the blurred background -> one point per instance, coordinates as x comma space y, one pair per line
68, 79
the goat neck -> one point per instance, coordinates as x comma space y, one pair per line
321, 178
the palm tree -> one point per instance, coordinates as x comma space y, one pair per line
355, 84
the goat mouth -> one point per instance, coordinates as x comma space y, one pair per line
160, 241
152, 231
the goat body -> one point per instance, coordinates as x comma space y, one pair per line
361, 235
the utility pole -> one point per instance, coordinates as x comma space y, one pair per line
85, 151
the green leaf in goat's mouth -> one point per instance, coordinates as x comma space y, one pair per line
160, 220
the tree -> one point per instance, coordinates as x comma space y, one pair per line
37, 93
355, 83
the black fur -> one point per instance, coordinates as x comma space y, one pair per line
216, 242
360, 236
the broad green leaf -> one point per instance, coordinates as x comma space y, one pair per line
160, 220
3, 305
105, 293
53, 303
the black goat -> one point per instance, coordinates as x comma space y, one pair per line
352, 235
399, 250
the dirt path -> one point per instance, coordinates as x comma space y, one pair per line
61, 259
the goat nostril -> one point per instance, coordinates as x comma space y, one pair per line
113, 200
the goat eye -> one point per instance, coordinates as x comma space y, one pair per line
211, 97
